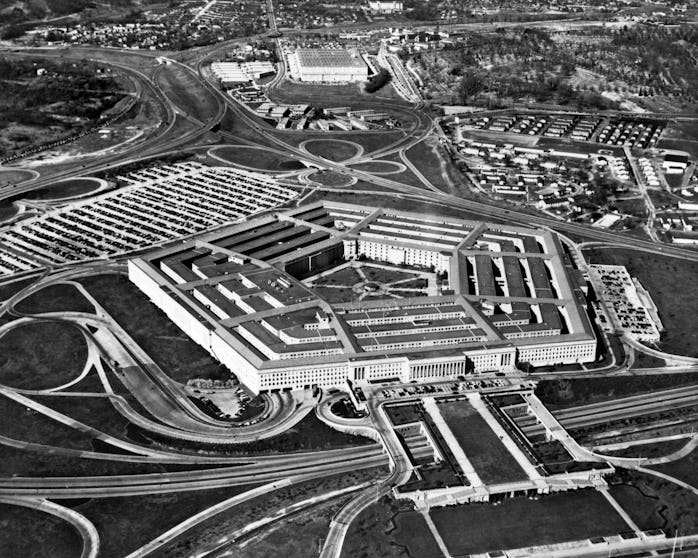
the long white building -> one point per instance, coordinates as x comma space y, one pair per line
331, 292
322, 65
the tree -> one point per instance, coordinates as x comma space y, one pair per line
378, 81
470, 85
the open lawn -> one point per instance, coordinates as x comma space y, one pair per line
145, 517
404, 414
65, 189
663, 277
378, 167
41, 355
293, 537
97, 412
685, 469
389, 528
28, 532
655, 449
169, 347
653, 502
184, 89
27, 425
371, 141
332, 149
560, 394
55, 298
485, 451
7, 212
520, 522
425, 158
258, 158
13, 176
631, 206
208, 533
331, 179
8, 290
643, 360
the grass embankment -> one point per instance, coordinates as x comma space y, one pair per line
169, 347
560, 394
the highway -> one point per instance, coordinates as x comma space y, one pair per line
401, 469
617, 409
161, 483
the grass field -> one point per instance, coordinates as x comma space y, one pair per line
55, 298
97, 412
379, 167
41, 355
200, 537
7, 212
520, 522
389, 528
633, 206
27, 532
653, 502
13, 176
661, 275
424, 157
560, 394
22, 423
685, 469
643, 360
169, 347
184, 90
656, 449
145, 517
485, 451
294, 537
258, 158
404, 414
331, 149
64, 189
331, 179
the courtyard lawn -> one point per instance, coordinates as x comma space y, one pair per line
485, 451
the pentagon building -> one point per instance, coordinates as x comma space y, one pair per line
424, 297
